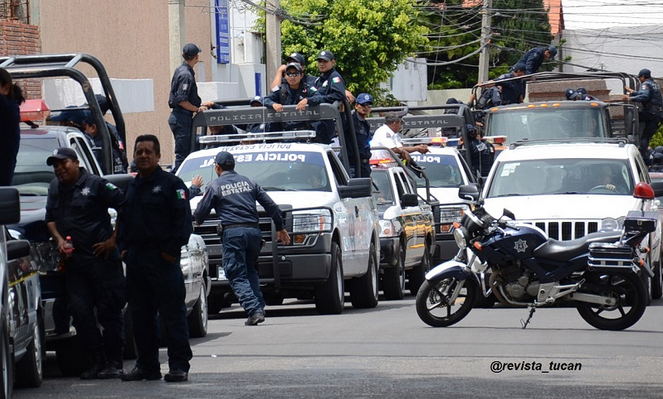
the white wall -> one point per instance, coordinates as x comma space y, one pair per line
409, 81
133, 95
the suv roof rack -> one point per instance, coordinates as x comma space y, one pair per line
622, 141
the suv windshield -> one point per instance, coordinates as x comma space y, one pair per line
32, 176
442, 170
546, 123
562, 176
273, 171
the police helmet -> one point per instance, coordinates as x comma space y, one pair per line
644, 73
581, 90
659, 149
570, 94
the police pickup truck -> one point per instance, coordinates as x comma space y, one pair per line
32, 178
331, 218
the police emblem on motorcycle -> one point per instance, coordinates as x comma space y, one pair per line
521, 246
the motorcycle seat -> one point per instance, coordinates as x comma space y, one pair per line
563, 251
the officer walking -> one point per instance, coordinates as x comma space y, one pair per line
332, 88
77, 206
234, 197
649, 95
535, 57
363, 134
185, 102
153, 226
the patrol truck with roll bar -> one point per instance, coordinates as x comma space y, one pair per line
331, 217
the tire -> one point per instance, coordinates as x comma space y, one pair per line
68, 355
197, 319
631, 297
29, 370
6, 362
393, 279
364, 291
417, 275
657, 282
433, 296
330, 296
130, 350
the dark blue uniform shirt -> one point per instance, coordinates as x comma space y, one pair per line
533, 59
331, 86
512, 89
234, 197
285, 95
183, 87
649, 94
11, 137
156, 214
81, 211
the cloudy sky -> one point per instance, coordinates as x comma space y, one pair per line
592, 14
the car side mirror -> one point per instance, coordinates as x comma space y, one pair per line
469, 192
409, 200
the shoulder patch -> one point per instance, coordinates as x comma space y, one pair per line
336, 79
275, 88
111, 186
644, 87
181, 194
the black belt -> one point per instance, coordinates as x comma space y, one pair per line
230, 226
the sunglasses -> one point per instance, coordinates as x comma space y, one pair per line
367, 105
292, 74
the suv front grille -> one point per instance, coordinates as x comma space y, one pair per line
567, 230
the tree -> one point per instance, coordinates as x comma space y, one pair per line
369, 38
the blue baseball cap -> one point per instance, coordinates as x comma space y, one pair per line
61, 154
224, 158
75, 115
364, 98
553, 52
256, 99
191, 50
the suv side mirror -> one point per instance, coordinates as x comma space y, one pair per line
409, 200
469, 192
10, 206
357, 188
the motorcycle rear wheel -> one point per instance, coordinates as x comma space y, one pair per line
626, 288
433, 305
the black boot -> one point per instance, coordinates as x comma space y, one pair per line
98, 363
114, 367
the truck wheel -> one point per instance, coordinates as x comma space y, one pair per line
330, 296
197, 319
364, 291
6, 363
393, 280
29, 371
417, 275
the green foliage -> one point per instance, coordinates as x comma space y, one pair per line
369, 38
657, 139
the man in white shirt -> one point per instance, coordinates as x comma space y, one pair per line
388, 136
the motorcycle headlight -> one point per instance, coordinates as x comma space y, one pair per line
610, 224
312, 220
460, 235
387, 228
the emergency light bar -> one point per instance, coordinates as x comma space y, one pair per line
496, 139
266, 136
441, 141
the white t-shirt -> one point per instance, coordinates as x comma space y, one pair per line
385, 137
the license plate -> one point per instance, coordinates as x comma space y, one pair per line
221, 274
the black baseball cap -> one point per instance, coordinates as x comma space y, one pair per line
60, 154
326, 55
644, 73
224, 158
295, 65
191, 50
295, 57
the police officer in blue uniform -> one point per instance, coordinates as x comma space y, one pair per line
185, 102
482, 153
363, 106
234, 197
279, 78
580, 94
513, 91
491, 97
77, 206
331, 86
535, 57
294, 92
153, 225
649, 95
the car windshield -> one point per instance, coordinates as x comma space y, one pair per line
441, 170
32, 176
546, 123
273, 171
383, 194
562, 176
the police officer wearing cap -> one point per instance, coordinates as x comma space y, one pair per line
154, 224
279, 77
331, 86
234, 197
363, 106
482, 153
294, 92
185, 102
77, 206
535, 57
649, 95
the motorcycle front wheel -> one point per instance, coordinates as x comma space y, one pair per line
626, 288
434, 305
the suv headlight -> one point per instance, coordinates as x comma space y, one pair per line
610, 224
450, 214
313, 220
387, 228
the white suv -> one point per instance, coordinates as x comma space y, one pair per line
570, 190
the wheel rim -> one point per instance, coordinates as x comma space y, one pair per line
401, 271
203, 306
5, 367
437, 302
374, 276
37, 349
339, 283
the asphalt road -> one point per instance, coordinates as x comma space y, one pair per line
388, 352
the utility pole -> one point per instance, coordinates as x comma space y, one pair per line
176, 29
485, 34
272, 38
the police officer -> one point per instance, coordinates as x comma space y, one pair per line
77, 206
185, 102
294, 92
579, 94
234, 197
649, 95
482, 153
279, 77
363, 106
89, 128
116, 140
332, 88
491, 97
513, 91
153, 226
535, 57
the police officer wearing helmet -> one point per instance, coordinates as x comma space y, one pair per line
234, 197
649, 95
363, 106
77, 206
579, 94
535, 57
331, 86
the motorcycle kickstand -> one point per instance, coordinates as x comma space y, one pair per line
524, 324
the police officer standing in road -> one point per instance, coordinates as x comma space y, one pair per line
185, 102
649, 95
154, 224
77, 206
234, 197
363, 134
332, 88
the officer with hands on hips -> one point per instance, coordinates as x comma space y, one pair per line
234, 197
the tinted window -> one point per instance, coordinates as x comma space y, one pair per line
32, 175
442, 170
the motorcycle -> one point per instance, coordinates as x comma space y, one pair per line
597, 273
